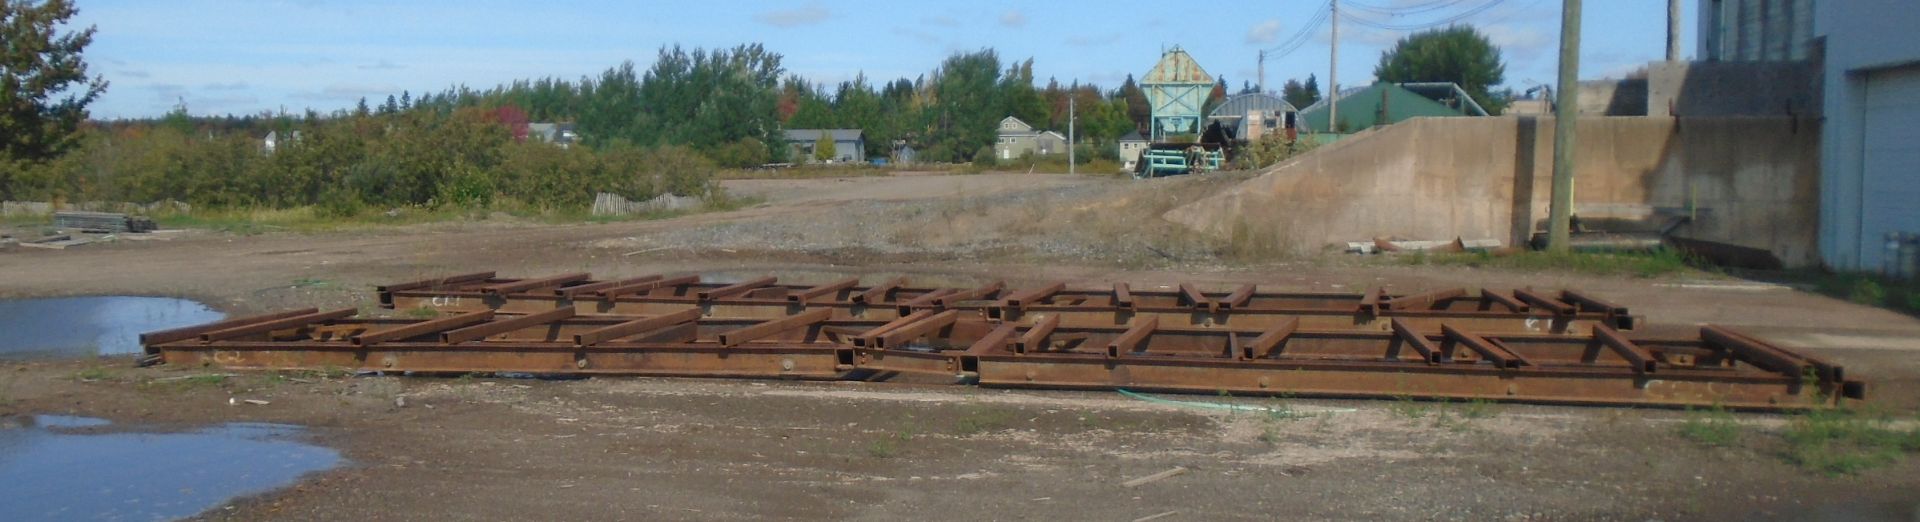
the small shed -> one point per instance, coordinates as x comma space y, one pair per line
1131, 145
1388, 103
848, 144
1253, 115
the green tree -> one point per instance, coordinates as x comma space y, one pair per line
1137, 108
823, 147
1458, 54
44, 87
966, 105
1301, 95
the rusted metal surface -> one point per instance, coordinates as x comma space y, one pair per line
1518, 310
1439, 344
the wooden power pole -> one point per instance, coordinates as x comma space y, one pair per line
1565, 111
1673, 30
1333, 72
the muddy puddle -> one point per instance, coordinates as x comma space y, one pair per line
79, 468
90, 326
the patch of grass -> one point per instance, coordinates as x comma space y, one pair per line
328, 372
1653, 263
1841, 442
1478, 409
1713, 427
982, 420
891, 444
1866, 289
97, 373
1406, 407
424, 312
308, 282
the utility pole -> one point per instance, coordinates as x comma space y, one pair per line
1566, 110
1262, 86
1673, 30
1070, 133
1333, 73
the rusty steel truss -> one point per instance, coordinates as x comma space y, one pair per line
1520, 345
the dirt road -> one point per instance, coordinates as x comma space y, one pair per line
656, 449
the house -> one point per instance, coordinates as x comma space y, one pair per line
1131, 145
1253, 115
903, 154
561, 134
1388, 103
1016, 138
849, 145
274, 140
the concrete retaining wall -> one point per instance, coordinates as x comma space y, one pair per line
1749, 181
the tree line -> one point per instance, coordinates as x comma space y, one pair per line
694, 110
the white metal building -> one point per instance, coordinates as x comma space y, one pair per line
1870, 142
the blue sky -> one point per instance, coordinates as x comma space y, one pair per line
241, 57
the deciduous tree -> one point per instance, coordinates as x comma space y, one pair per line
1458, 54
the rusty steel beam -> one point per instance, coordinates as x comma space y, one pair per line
880, 293
1495, 353
276, 324
907, 332
1643, 362
1133, 338
1036, 336
737, 288
954, 298
386, 291
1411, 339
825, 289
1425, 300
421, 328
635, 327
1028, 296
1268, 343
482, 331
589, 288
769, 328
1535, 299
872, 337
645, 286
190, 332
1490, 297
532, 284
1238, 298
1122, 295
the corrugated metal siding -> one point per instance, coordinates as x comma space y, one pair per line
1890, 177
1757, 30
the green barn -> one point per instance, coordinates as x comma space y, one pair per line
1389, 103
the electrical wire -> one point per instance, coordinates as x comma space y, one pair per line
1450, 20
1304, 35
1405, 10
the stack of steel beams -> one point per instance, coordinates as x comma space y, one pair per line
1518, 345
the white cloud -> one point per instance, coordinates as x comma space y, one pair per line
1013, 18
808, 15
1264, 32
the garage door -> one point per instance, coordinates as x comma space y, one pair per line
1891, 146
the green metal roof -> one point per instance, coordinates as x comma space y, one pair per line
1377, 104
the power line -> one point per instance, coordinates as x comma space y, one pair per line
1450, 20
1304, 35
1405, 10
